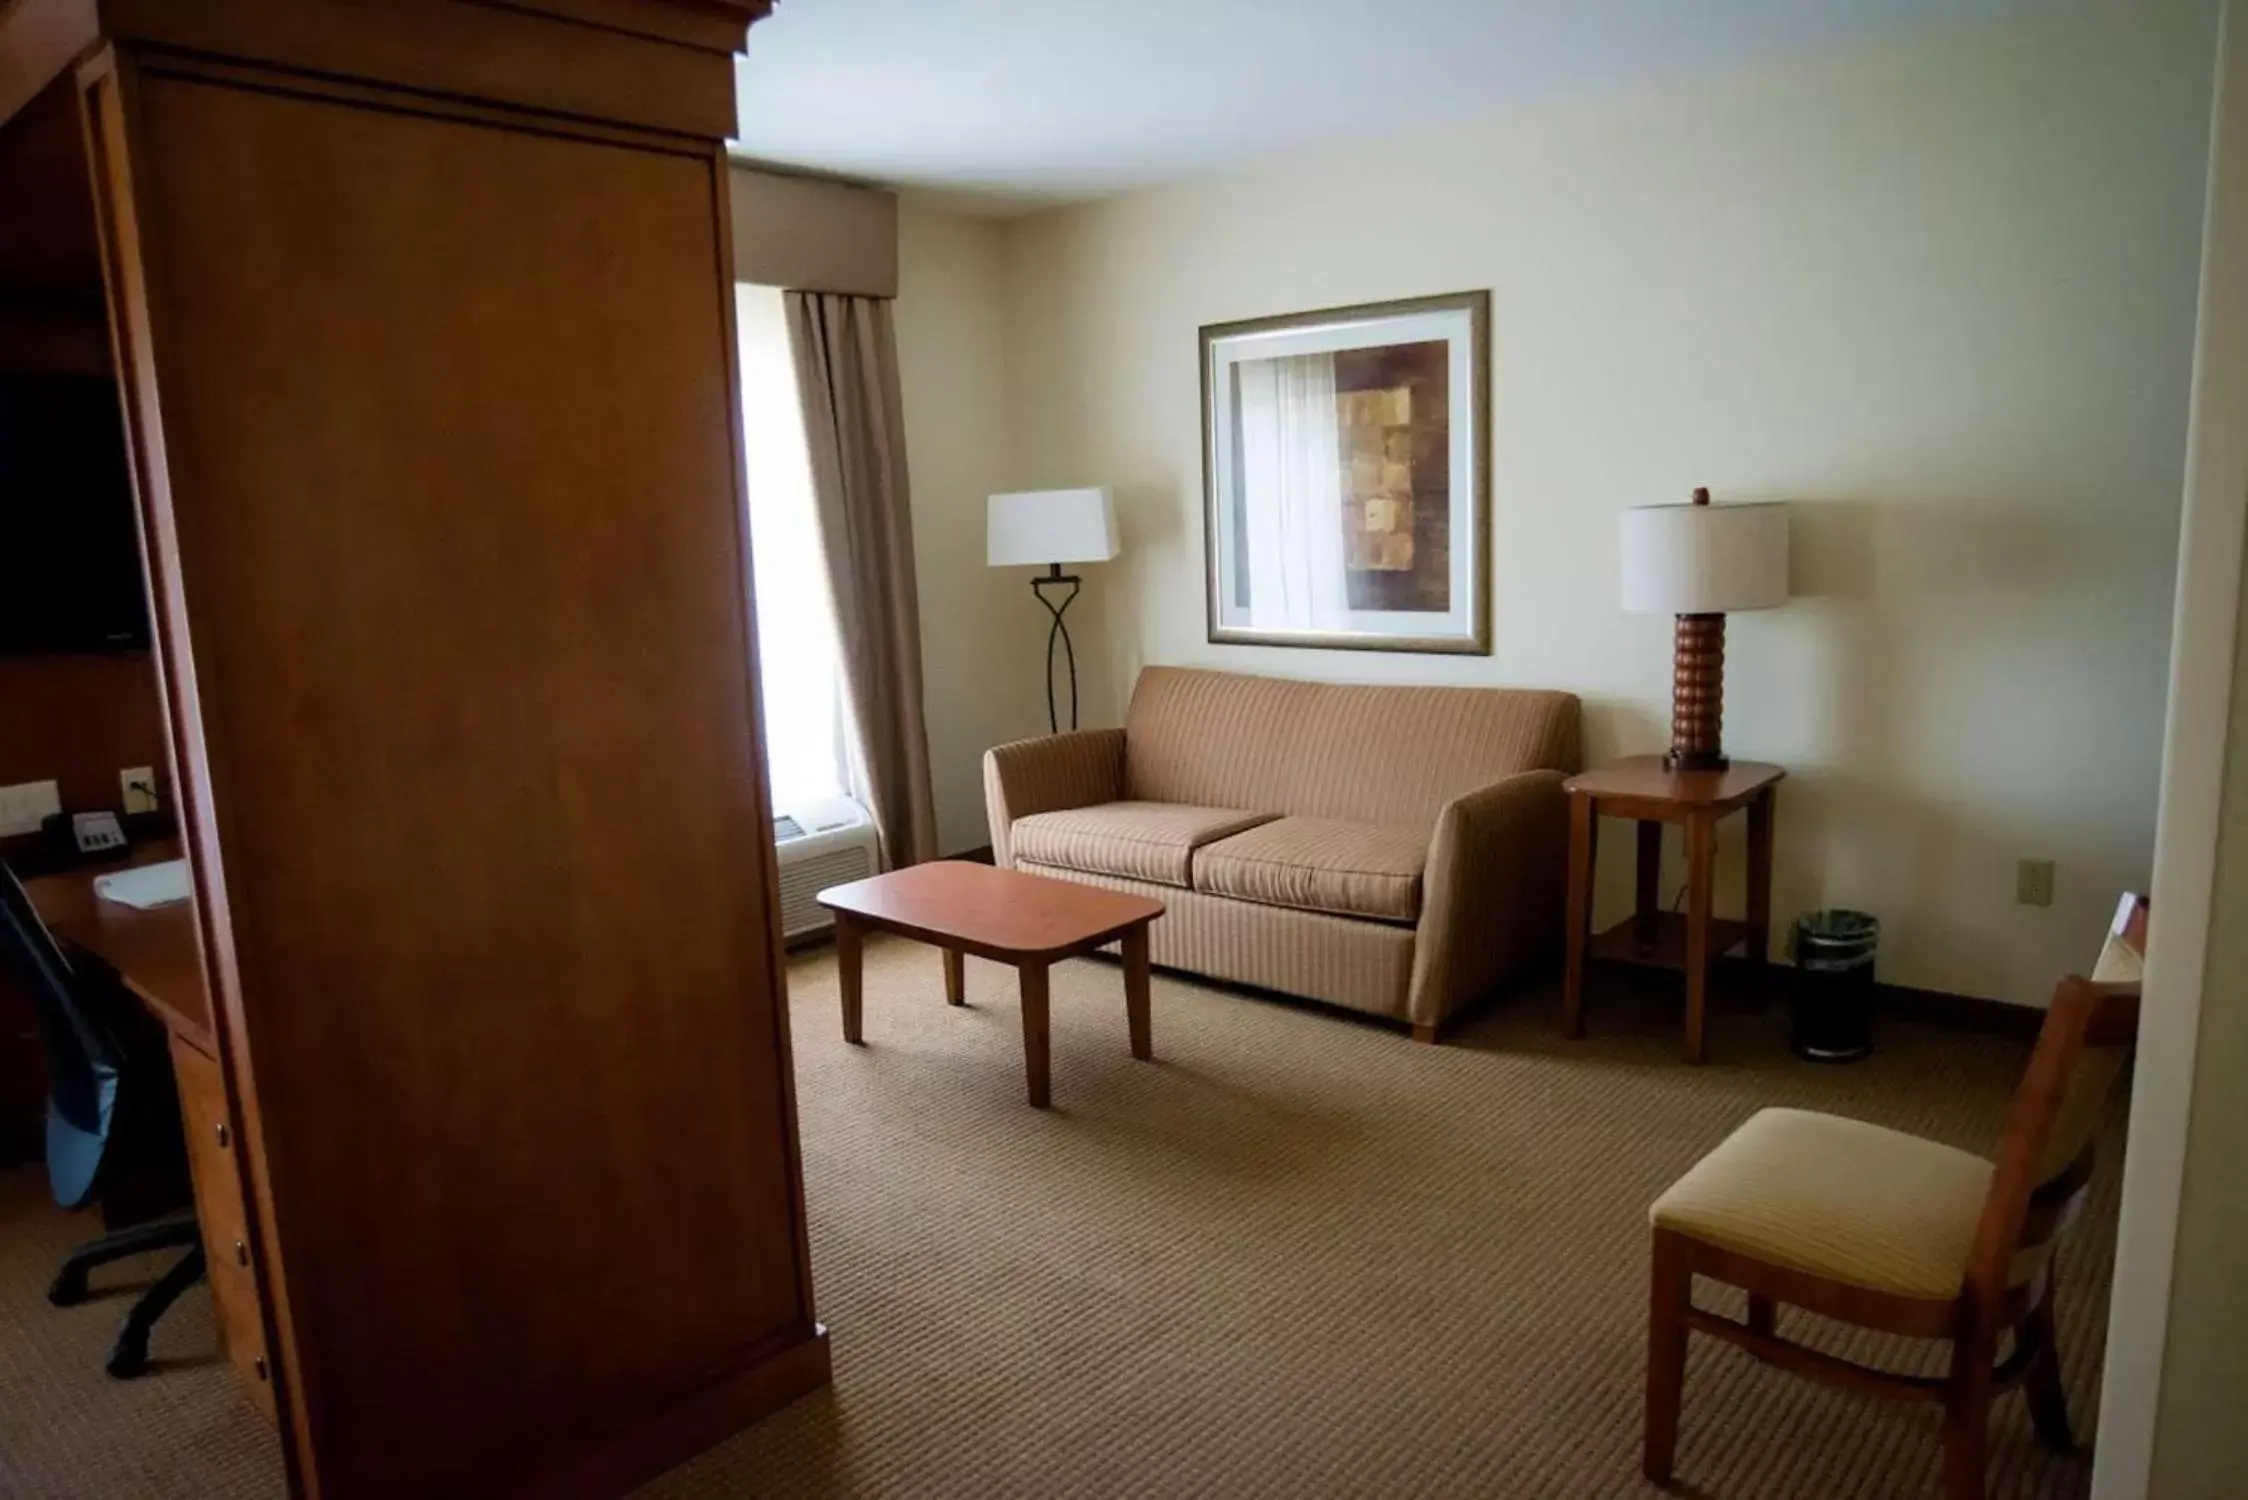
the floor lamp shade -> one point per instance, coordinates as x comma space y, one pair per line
1701, 562
1046, 528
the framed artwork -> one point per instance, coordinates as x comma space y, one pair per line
1346, 477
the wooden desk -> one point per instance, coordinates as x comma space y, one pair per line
156, 954
1639, 787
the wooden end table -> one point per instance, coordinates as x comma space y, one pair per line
1029, 921
1639, 787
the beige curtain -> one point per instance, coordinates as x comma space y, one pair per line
847, 369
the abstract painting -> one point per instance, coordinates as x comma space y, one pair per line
1346, 491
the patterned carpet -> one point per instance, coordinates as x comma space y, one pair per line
1296, 1256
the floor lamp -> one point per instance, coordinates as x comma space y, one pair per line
1047, 528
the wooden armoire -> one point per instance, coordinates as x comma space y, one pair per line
422, 314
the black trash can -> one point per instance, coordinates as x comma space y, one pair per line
1833, 1005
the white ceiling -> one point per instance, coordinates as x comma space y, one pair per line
1009, 104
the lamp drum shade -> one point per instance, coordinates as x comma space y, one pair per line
1050, 526
1704, 559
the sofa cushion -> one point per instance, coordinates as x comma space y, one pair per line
1320, 864
1136, 840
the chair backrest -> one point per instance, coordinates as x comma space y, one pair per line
2092, 1082
1371, 753
82, 1058
2045, 1150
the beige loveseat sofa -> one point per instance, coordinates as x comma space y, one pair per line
1397, 850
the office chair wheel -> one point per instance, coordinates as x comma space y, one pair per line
68, 1289
129, 1355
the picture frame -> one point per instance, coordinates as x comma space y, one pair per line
1346, 477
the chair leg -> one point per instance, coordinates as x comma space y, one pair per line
129, 1355
68, 1289
1763, 1315
1670, 1287
1967, 1420
2041, 1382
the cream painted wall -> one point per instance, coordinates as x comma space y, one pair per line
1939, 291
981, 638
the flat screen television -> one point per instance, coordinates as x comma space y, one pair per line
70, 568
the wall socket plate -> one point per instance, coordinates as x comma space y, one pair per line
136, 788
25, 806
2033, 882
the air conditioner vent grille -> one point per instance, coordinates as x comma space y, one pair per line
803, 880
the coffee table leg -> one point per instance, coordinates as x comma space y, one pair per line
1135, 992
955, 977
849, 945
1036, 1054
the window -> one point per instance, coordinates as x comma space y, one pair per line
799, 669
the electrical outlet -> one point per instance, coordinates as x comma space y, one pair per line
25, 806
2033, 882
137, 788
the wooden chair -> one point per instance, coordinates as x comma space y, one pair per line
1891, 1232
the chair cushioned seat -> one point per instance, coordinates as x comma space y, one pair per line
1152, 841
1841, 1199
1320, 864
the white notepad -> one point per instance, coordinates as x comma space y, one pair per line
147, 886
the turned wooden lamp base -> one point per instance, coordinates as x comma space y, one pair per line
1697, 695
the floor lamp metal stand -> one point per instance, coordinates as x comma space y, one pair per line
1059, 632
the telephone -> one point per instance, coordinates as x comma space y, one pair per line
94, 835
97, 832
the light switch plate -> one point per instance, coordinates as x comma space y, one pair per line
136, 787
26, 805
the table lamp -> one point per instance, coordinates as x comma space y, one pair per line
1702, 562
1048, 528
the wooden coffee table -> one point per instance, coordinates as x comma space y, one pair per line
1011, 918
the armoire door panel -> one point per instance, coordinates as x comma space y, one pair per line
445, 409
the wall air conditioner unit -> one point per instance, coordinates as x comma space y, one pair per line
820, 842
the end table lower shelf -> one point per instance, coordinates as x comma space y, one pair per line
1661, 943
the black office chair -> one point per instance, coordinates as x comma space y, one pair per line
104, 1105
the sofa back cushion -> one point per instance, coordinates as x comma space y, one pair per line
1335, 750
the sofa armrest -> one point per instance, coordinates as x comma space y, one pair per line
1078, 769
1492, 896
